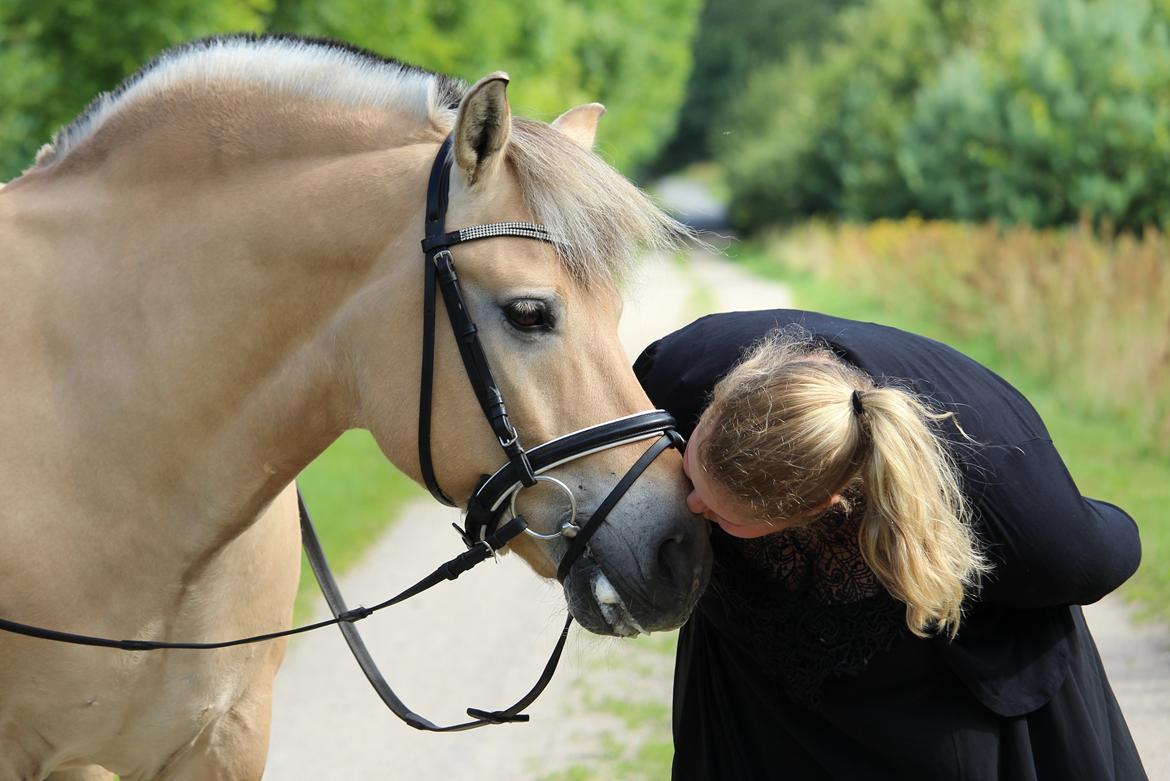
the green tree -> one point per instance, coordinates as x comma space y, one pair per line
734, 41
57, 55
1070, 118
815, 136
1036, 111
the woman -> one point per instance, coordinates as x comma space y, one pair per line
899, 557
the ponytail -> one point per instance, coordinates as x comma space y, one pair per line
916, 533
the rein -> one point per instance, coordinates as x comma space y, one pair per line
484, 529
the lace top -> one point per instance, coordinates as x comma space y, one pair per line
804, 602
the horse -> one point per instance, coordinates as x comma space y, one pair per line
206, 278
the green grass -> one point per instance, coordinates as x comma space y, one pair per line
1102, 451
353, 494
641, 749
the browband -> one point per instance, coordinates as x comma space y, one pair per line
523, 230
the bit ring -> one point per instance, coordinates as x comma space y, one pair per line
568, 527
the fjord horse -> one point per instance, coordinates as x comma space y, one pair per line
204, 280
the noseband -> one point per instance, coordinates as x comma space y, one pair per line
484, 530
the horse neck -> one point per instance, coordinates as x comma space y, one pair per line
201, 308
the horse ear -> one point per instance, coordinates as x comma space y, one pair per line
580, 123
483, 127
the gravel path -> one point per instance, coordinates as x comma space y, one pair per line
482, 640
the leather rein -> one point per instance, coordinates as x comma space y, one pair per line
485, 530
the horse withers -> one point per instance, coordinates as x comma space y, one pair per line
205, 279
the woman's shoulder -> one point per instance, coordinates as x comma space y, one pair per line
729, 334
681, 368
714, 343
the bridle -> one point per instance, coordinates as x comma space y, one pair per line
485, 529
524, 468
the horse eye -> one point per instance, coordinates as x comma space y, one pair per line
528, 314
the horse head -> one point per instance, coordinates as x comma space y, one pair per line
546, 313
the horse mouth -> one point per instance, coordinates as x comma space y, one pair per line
613, 610
604, 608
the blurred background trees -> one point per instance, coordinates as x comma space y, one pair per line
1018, 111
734, 40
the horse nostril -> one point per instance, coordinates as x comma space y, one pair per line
674, 562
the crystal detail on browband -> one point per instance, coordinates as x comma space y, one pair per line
527, 230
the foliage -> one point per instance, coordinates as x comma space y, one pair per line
1104, 391
633, 56
1038, 111
735, 40
816, 137
1074, 120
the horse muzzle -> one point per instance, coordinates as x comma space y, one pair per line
612, 590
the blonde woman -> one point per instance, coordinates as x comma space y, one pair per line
899, 557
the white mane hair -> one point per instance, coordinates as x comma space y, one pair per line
600, 219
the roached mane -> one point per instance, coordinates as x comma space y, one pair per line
600, 219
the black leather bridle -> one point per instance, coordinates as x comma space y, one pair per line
485, 530
524, 467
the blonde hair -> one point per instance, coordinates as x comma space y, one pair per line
784, 434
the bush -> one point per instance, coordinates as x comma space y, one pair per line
1073, 121
1040, 111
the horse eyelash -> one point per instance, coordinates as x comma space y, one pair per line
526, 306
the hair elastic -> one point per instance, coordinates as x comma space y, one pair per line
855, 398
